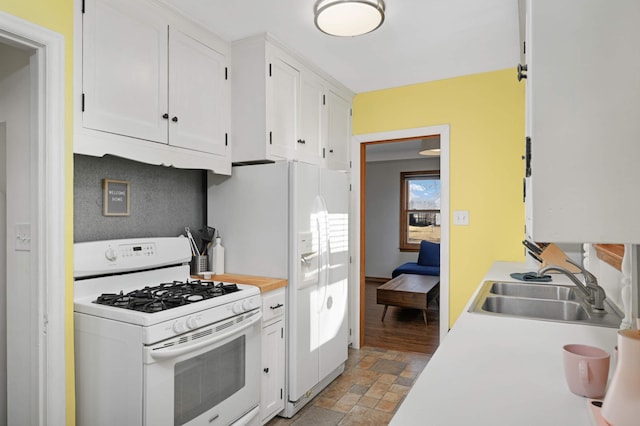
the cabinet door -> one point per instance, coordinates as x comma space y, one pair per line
197, 95
584, 103
338, 132
283, 87
124, 71
272, 395
308, 146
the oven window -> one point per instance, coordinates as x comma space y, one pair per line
204, 381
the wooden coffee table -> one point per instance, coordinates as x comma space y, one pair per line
409, 291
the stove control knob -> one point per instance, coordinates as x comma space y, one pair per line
111, 254
192, 323
179, 327
247, 305
237, 308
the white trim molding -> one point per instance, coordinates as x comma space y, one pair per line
354, 293
47, 207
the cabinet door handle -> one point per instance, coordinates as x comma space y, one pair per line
279, 305
521, 71
266, 370
174, 119
302, 141
165, 116
330, 151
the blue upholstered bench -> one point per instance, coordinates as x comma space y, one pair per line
428, 261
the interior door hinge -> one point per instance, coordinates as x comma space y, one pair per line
226, 139
269, 70
226, 73
82, 102
527, 156
270, 138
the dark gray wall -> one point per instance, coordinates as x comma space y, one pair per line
163, 200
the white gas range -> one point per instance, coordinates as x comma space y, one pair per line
153, 346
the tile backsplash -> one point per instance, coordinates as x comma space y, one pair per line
163, 199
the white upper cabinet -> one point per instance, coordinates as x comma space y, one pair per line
583, 109
197, 78
124, 79
153, 87
280, 105
283, 101
338, 135
312, 100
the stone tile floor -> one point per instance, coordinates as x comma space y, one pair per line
373, 385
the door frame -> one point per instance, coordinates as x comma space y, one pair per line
357, 209
48, 197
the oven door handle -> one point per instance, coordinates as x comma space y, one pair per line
172, 353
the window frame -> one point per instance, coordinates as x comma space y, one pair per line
405, 177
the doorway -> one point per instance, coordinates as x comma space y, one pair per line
401, 207
357, 291
33, 218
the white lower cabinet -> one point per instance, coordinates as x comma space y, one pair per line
273, 354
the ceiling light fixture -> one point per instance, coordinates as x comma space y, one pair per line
348, 18
430, 146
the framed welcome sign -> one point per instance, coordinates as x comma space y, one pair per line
116, 197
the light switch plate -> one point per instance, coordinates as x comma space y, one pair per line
23, 237
461, 217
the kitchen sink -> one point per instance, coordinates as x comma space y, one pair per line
541, 301
536, 291
559, 310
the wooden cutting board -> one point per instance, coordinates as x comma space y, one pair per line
553, 255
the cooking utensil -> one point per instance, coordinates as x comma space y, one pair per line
194, 246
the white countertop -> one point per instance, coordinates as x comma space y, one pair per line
493, 370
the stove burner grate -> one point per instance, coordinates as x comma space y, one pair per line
166, 295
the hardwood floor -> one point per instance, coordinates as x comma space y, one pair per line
402, 329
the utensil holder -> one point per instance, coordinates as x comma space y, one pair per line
199, 264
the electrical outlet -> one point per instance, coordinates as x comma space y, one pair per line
461, 217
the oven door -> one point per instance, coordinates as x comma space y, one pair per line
209, 376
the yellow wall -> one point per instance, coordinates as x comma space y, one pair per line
485, 113
57, 15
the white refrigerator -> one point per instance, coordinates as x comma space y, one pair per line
290, 220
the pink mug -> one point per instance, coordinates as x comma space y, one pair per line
586, 369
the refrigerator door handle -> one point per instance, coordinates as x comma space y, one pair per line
323, 239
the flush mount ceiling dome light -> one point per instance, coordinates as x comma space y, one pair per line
348, 18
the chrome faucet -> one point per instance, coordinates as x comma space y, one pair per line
594, 294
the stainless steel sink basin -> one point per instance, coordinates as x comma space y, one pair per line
558, 310
536, 291
542, 301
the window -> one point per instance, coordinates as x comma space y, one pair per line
419, 208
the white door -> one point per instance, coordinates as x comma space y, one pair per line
311, 97
333, 333
283, 85
272, 370
197, 95
124, 74
304, 297
338, 133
